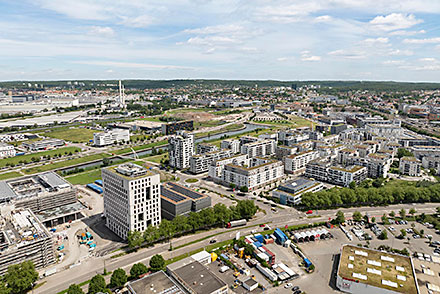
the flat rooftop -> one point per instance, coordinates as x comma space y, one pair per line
130, 170
177, 193
155, 283
18, 228
385, 270
32, 186
199, 278
427, 274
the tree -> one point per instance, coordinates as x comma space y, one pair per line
157, 263
373, 219
357, 216
244, 189
245, 208
392, 214
166, 229
135, 239
138, 269
402, 213
383, 235
106, 162
340, 218
3, 288
403, 233
75, 289
385, 219
97, 284
401, 152
412, 211
118, 278
21, 277
151, 234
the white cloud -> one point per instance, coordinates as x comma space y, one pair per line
140, 21
131, 65
212, 41
323, 18
306, 56
372, 42
406, 33
394, 21
218, 29
422, 41
101, 31
393, 62
348, 54
400, 52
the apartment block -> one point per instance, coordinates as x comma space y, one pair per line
324, 171
282, 151
205, 148
181, 148
200, 163
259, 148
110, 137
410, 166
7, 150
232, 144
131, 198
217, 166
296, 163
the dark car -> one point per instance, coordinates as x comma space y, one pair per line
297, 292
212, 241
295, 288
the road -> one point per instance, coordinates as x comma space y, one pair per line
287, 216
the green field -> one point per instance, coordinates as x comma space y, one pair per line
66, 163
293, 122
157, 158
150, 118
233, 127
183, 110
85, 177
10, 175
76, 135
209, 123
140, 147
28, 157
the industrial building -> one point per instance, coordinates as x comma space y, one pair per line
365, 271
290, 192
110, 137
23, 238
48, 195
131, 198
44, 144
157, 282
173, 127
179, 200
181, 148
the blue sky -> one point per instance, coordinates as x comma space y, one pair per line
220, 39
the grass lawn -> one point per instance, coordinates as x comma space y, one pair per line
157, 158
209, 123
85, 177
65, 163
28, 157
191, 180
183, 110
293, 122
229, 111
76, 135
151, 118
228, 128
140, 147
10, 175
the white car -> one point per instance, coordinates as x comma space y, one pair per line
288, 285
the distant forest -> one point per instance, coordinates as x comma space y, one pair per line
326, 86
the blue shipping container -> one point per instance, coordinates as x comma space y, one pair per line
259, 238
95, 188
258, 244
307, 262
98, 182
281, 237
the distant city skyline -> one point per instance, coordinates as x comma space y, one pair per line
201, 39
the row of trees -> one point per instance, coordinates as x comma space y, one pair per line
357, 196
218, 215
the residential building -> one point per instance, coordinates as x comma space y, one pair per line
232, 144
410, 166
179, 200
296, 163
7, 150
181, 148
200, 163
429, 162
44, 144
174, 127
131, 198
252, 173
110, 137
324, 171
290, 192
259, 148
23, 238
217, 166
282, 151
205, 148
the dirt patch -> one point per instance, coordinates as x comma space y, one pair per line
197, 116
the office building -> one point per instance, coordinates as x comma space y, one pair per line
362, 270
181, 148
131, 198
110, 137
23, 238
259, 148
44, 144
6, 150
296, 163
410, 166
200, 163
232, 144
290, 192
179, 200
174, 127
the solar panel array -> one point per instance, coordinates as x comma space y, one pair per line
172, 195
185, 191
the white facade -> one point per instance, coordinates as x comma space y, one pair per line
259, 148
181, 148
200, 163
110, 137
233, 145
6, 150
131, 198
297, 163
410, 166
217, 166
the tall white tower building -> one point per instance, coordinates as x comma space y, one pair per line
131, 198
121, 94
181, 148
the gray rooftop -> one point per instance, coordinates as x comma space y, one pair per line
154, 284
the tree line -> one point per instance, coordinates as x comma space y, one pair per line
217, 216
358, 196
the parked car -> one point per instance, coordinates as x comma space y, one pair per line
288, 285
212, 241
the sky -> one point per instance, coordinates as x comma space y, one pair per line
220, 39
